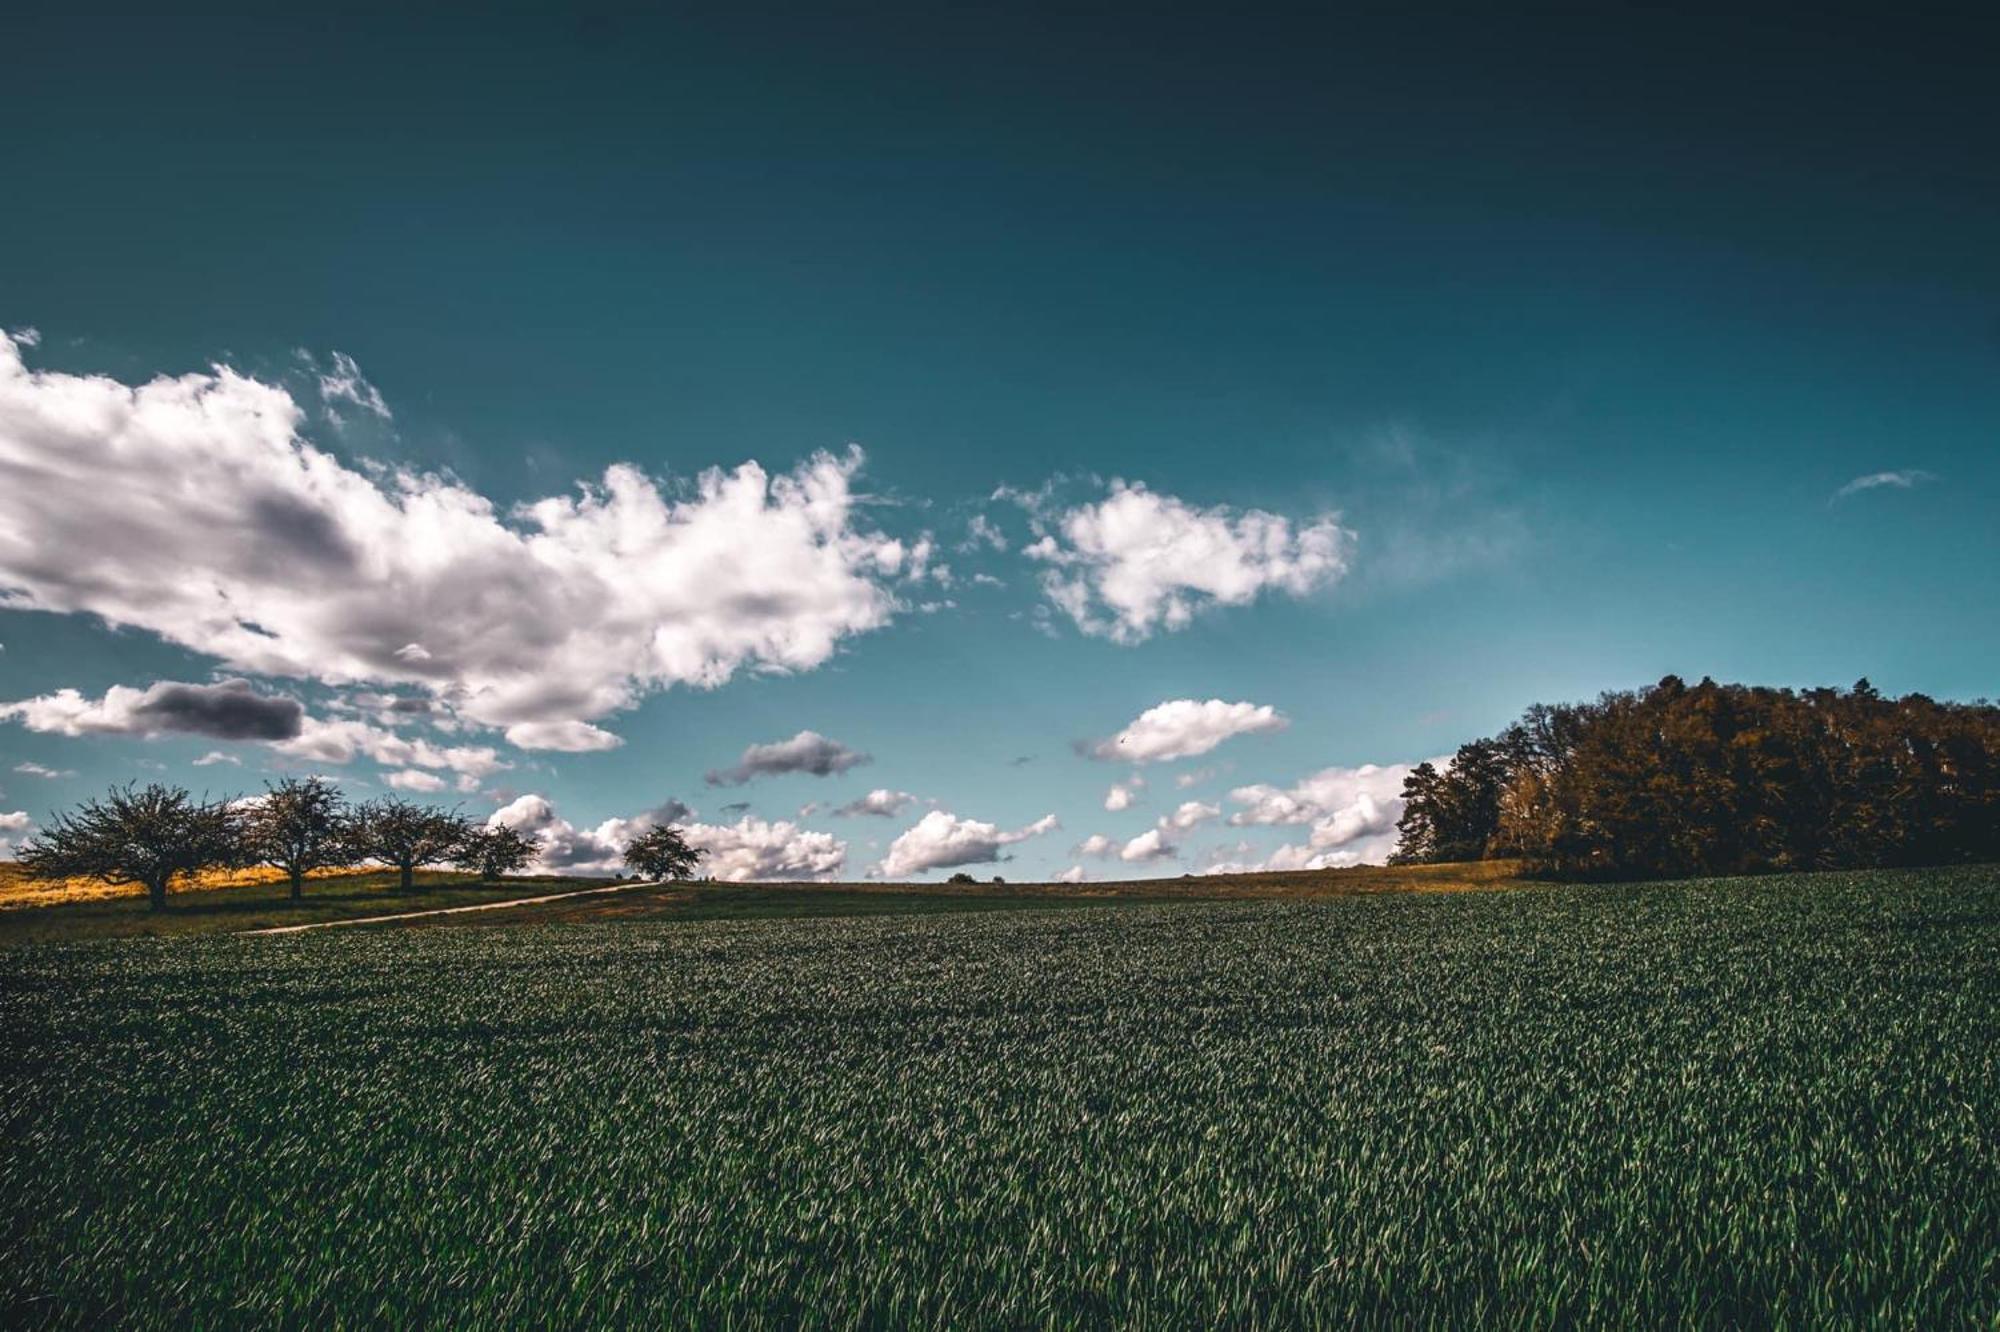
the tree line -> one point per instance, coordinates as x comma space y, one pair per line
157, 834
1679, 780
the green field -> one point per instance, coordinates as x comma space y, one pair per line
1734, 1101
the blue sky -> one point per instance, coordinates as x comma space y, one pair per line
1507, 360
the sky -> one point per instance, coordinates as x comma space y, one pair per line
1083, 442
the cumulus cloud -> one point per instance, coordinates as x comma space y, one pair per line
1097, 844
231, 710
881, 803
1906, 479
1183, 728
942, 840
563, 848
415, 779
1189, 814
341, 742
211, 522
808, 752
14, 829
1352, 813
1123, 795
1137, 562
1074, 874
568, 737
215, 756
753, 849
1149, 845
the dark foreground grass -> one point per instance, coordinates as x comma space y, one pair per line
1748, 1102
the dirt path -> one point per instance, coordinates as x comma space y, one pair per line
452, 911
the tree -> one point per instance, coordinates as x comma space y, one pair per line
493, 851
300, 825
1681, 779
144, 836
662, 853
406, 836
962, 878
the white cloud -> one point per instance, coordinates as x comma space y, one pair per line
212, 523
569, 737
1123, 795
1151, 844
807, 752
13, 830
752, 849
566, 849
343, 741
1352, 813
345, 383
215, 756
1906, 479
941, 840
1189, 814
1074, 874
415, 779
1183, 728
881, 802
1136, 561
982, 532
1097, 844
38, 770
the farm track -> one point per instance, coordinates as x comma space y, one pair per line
451, 911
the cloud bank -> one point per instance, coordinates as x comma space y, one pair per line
213, 523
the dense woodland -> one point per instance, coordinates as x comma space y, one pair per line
1681, 780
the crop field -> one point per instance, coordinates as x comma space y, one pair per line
1767, 1101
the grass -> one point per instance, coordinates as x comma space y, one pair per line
1755, 1101
229, 906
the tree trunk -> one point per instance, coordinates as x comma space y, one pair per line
409, 877
156, 894
298, 886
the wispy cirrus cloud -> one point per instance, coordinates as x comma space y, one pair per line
1908, 478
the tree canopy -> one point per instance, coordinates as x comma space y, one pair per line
662, 853
407, 836
298, 826
494, 851
1680, 780
148, 835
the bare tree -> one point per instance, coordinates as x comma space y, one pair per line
406, 836
662, 853
300, 826
493, 851
147, 836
